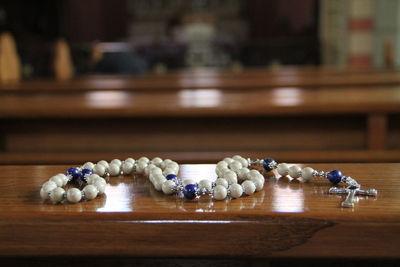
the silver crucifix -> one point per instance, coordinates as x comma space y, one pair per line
351, 193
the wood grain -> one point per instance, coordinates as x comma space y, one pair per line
286, 219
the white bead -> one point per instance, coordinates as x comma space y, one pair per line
295, 171
50, 184
100, 186
158, 178
244, 162
64, 178
155, 176
307, 173
229, 173
283, 169
242, 173
57, 180
90, 191
44, 194
158, 182
165, 163
57, 195
219, 192
114, 169
248, 187
221, 172
143, 159
188, 181
173, 165
116, 161
205, 184
141, 165
149, 168
131, 160
155, 170
157, 161
235, 166
168, 187
236, 190
99, 169
91, 178
252, 173
231, 179
228, 160
237, 157
170, 171
222, 181
46, 188
99, 180
221, 167
256, 175
127, 167
222, 164
74, 195
104, 163
88, 165
258, 183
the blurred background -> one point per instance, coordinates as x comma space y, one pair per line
136, 36
306, 80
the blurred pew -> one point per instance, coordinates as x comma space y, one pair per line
342, 124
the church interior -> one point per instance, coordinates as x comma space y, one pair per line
309, 82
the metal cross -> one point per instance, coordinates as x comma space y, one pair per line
351, 193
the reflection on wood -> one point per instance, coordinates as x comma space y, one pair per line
286, 219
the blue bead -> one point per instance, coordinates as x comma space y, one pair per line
79, 175
73, 171
87, 171
170, 176
189, 191
335, 176
266, 163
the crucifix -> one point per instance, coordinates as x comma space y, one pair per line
351, 192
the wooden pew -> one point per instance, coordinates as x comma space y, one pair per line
286, 220
343, 124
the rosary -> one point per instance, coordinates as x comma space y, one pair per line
237, 177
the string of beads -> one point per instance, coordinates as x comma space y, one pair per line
237, 176
90, 179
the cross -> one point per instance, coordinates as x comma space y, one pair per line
351, 193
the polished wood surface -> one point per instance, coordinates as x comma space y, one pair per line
201, 102
286, 219
351, 124
201, 79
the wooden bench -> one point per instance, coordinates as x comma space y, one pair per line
351, 124
286, 220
